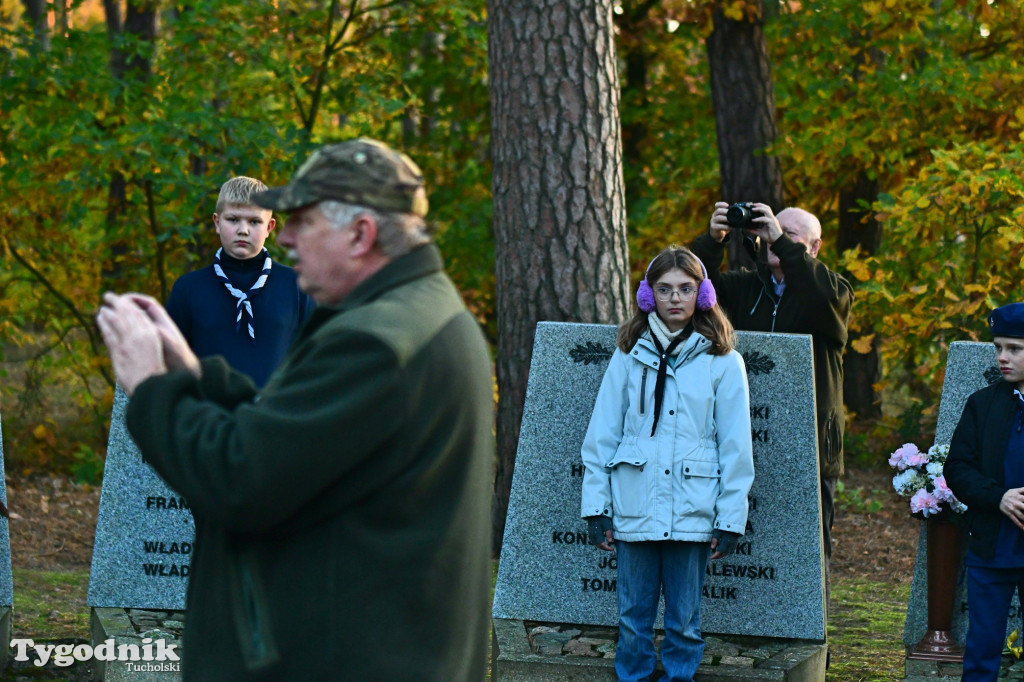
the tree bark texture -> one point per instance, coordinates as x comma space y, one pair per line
132, 70
35, 12
559, 207
744, 100
858, 228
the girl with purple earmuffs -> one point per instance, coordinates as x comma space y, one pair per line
668, 461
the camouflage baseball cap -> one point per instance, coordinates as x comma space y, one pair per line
364, 172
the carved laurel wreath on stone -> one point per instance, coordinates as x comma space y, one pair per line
758, 363
592, 353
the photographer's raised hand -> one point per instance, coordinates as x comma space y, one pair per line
767, 225
719, 227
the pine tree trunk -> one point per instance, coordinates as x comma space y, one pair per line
744, 101
35, 13
858, 228
559, 212
131, 70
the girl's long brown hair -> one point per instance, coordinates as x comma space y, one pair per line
711, 324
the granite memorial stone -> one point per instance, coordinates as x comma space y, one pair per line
773, 585
144, 531
970, 366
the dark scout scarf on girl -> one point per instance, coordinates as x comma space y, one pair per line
244, 303
665, 353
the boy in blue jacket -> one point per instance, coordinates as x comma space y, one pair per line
985, 470
243, 306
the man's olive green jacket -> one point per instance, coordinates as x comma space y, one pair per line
343, 512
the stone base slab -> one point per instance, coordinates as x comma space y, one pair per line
942, 671
131, 626
5, 635
523, 652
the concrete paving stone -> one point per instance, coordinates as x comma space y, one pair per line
578, 647
542, 629
739, 661
723, 649
760, 654
602, 633
915, 668
550, 643
159, 633
593, 641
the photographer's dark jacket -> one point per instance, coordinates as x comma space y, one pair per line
974, 468
343, 512
816, 301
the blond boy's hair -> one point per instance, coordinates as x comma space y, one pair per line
238, 192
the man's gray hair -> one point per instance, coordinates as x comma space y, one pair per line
397, 233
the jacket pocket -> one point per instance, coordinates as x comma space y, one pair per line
833, 439
630, 484
251, 613
701, 482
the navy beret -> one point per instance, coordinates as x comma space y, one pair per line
1007, 321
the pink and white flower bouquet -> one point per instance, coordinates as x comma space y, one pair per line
919, 477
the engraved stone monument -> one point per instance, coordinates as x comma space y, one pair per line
143, 548
970, 366
772, 587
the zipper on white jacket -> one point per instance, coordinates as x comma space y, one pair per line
643, 389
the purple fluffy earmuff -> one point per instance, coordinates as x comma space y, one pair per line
706, 296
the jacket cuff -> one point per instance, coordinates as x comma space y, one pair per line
787, 249
729, 526
224, 385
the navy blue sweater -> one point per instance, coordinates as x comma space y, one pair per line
205, 312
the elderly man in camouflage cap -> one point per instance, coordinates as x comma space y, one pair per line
342, 512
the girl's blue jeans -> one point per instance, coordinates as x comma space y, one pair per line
645, 569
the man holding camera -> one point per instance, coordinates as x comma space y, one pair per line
790, 291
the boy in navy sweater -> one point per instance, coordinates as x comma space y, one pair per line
243, 306
985, 470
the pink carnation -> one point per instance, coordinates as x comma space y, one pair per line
916, 460
899, 458
924, 502
942, 492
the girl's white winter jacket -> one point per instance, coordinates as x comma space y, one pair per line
694, 474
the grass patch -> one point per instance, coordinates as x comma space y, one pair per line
865, 627
857, 501
50, 605
865, 630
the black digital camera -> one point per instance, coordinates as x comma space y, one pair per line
740, 214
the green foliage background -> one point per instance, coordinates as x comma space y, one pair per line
920, 96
